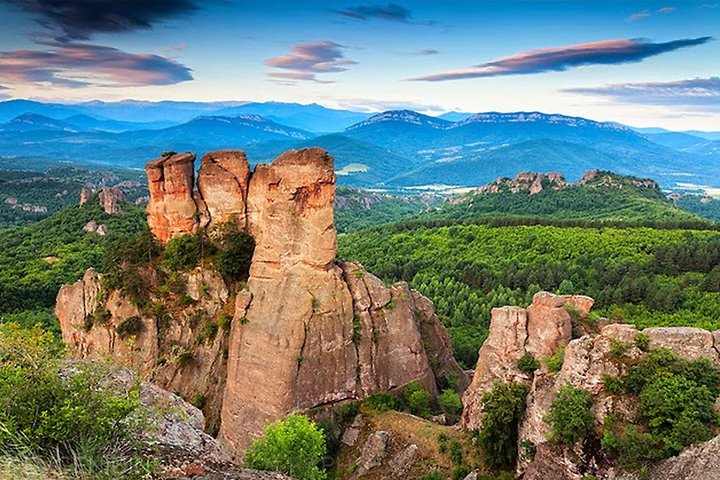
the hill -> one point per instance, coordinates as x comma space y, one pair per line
598, 196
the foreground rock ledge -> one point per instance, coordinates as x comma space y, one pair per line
308, 333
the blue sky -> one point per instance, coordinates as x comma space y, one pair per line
651, 63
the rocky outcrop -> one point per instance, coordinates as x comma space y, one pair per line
85, 196
172, 209
223, 181
93, 227
588, 360
307, 332
530, 182
110, 200
538, 330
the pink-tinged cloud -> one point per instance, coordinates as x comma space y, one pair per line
666, 10
294, 76
76, 65
308, 59
607, 52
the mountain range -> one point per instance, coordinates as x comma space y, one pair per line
393, 150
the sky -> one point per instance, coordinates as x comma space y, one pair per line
641, 63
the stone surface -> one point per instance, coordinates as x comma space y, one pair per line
110, 200
85, 196
223, 181
373, 452
538, 330
403, 460
172, 210
699, 462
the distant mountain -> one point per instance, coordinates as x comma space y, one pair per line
33, 122
597, 196
695, 133
312, 117
86, 122
677, 140
14, 108
454, 116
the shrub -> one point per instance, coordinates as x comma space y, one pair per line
527, 363
294, 446
642, 342
450, 402
417, 399
432, 475
225, 321
382, 402
618, 349
570, 417
554, 362
235, 253
347, 412
184, 252
612, 384
65, 414
129, 326
456, 452
503, 406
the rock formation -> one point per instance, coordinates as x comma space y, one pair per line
110, 199
307, 334
540, 330
85, 195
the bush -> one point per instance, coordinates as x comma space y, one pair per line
184, 252
570, 417
294, 446
433, 475
554, 362
129, 326
347, 412
417, 399
450, 402
618, 349
503, 407
65, 414
382, 402
642, 342
236, 249
527, 363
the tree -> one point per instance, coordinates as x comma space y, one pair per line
570, 417
503, 406
294, 446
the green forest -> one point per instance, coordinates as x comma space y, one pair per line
38, 258
645, 276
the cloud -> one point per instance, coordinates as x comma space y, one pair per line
696, 92
80, 19
607, 52
372, 105
421, 52
75, 65
391, 12
638, 16
308, 59
666, 10
290, 77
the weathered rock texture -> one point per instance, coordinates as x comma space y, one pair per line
110, 200
307, 333
540, 330
172, 210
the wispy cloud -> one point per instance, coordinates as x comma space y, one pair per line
74, 65
607, 52
667, 10
635, 17
421, 52
80, 19
702, 93
374, 105
308, 59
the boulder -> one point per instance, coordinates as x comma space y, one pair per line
223, 181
